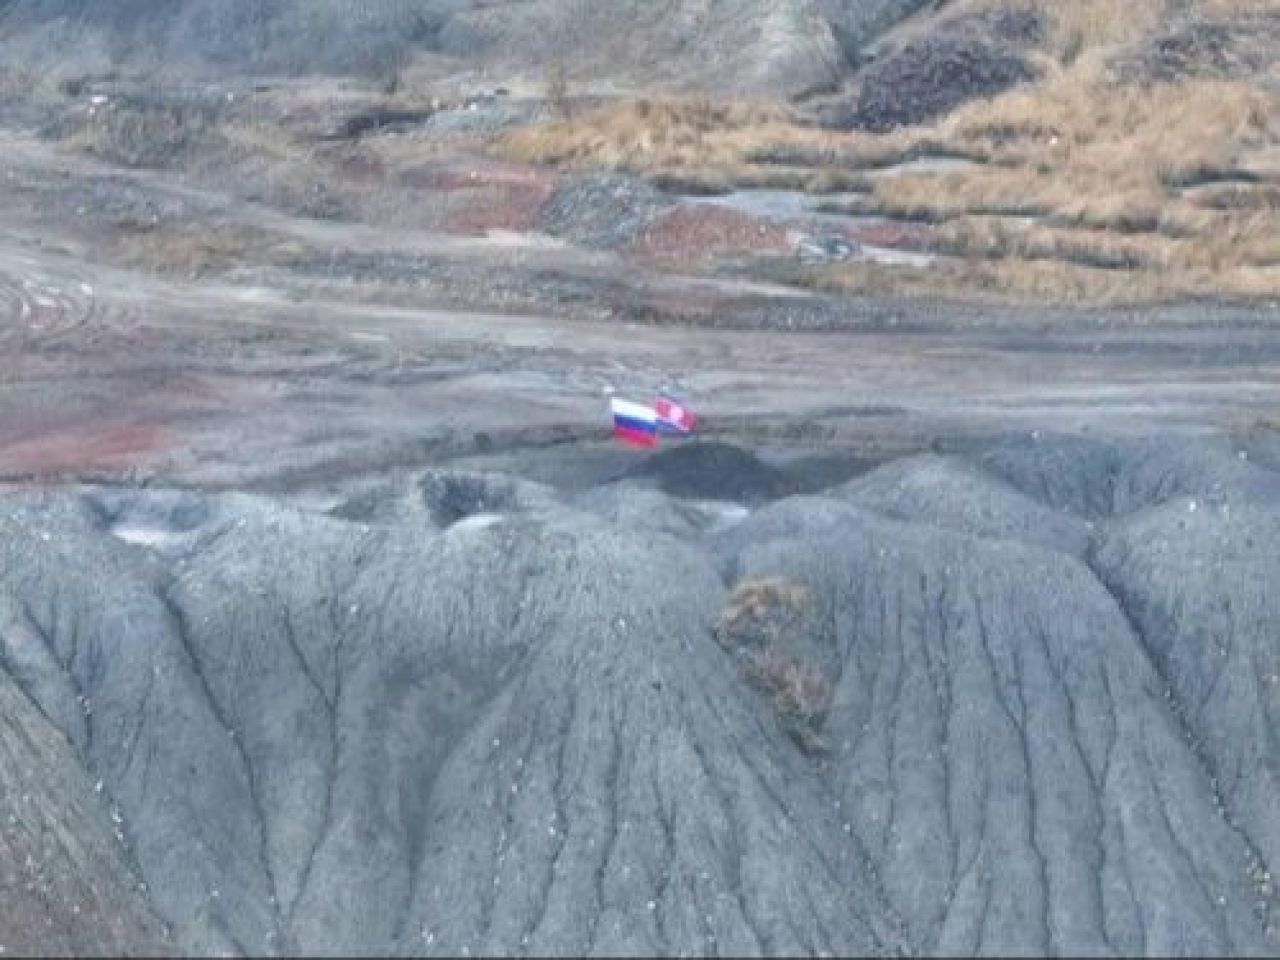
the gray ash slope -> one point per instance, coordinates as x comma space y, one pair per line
459, 712
760, 46
66, 885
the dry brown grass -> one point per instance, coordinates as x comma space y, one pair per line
999, 238
648, 134
197, 252
759, 620
1078, 152
1080, 123
1083, 27
741, 143
701, 146
266, 139
1106, 175
136, 136
1013, 281
755, 600
799, 693
698, 144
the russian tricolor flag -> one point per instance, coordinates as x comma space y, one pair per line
634, 423
672, 417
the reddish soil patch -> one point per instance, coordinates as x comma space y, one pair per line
480, 196
81, 447
497, 207
362, 168
463, 175
694, 233
895, 236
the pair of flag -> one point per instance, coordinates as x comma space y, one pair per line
639, 425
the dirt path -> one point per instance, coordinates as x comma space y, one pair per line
111, 372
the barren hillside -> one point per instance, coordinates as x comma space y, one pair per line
980, 707
743, 46
335, 620
1077, 151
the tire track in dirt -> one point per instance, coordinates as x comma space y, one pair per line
36, 311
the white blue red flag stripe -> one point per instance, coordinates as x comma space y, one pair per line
634, 423
672, 417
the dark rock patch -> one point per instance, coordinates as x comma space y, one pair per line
928, 78
713, 471
604, 210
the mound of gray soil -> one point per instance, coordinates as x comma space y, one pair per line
1025, 702
66, 885
601, 210
949, 493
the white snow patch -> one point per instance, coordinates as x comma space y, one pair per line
476, 521
723, 514
158, 538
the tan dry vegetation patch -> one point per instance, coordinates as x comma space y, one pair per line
759, 622
1100, 169
718, 144
195, 252
266, 139
1015, 280
1089, 188
698, 235
650, 134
